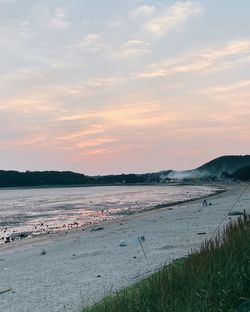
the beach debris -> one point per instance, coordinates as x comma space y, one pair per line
20, 235
97, 229
23, 235
235, 213
43, 253
7, 240
5, 291
123, 243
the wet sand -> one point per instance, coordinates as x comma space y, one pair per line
82, 266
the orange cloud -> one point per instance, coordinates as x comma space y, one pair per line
96, 142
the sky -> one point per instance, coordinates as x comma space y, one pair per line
115, 86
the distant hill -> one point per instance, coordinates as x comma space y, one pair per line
222, 164
216, 168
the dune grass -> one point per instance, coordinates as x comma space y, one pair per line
214, 279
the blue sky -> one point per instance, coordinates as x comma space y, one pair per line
122, 86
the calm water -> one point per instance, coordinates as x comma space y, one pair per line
50, 209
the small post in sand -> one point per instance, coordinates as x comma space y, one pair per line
142, 247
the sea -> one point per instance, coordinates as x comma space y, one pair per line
36, 211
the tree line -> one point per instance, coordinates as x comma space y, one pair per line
47, 178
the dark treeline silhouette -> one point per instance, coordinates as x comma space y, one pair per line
49, 178
37, 178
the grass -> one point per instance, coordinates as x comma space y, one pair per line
214, 279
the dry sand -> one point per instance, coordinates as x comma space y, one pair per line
82, 266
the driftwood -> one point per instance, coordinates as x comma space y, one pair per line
4, 291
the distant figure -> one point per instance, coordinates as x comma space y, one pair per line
204, 203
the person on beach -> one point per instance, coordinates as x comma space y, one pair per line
204, 203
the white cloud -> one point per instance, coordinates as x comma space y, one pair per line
92, 42
229, 55
231, 48
172, 17
225, 88
133, 48
143, 11
26, 105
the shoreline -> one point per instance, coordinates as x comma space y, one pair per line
84, 185
81, 267
198, 183
118, 217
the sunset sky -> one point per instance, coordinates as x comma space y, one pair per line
118, 86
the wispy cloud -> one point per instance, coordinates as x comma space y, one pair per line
96, 152
28, 141
91, 42
26, 106
85, 88
133, 48
225, 88
96, 142
144, 11
203, 60
172, 17
125, 115
90, 130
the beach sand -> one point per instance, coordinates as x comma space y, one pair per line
81, 267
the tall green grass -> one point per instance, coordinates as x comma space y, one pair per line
214, 279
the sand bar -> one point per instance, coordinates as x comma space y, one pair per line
82, 266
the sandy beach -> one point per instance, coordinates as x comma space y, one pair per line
80, 267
